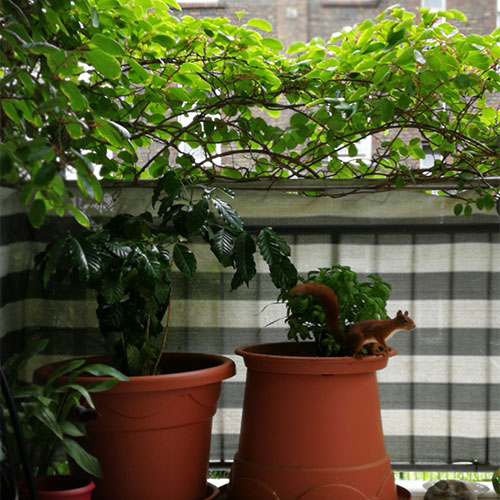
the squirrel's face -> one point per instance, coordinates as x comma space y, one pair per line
406, 323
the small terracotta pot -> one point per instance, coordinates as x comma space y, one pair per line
311, 428
212, 492
60, 488
152, 438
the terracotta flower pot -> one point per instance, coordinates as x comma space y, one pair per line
152, 438
60, 488
311, 428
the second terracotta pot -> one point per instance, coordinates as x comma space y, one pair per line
311, 428
152, 438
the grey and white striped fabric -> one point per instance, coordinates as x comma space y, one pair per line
440, 395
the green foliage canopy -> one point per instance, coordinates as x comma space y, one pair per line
87, 84
128, 263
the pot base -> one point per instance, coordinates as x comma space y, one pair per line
403, 493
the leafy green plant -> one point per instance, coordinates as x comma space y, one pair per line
358, 301
80, 79
128, 263
495, 481
53, 415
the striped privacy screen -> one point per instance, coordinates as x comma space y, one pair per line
440, 395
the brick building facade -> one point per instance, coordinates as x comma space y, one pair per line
302, 20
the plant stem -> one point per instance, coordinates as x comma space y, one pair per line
165, 333
124, 345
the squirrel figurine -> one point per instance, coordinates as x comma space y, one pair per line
372, 332
449, 489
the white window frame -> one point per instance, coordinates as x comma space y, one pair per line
193, 4
430, 157
425, 3
364, 147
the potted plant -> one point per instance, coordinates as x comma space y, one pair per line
311, 426
43, 420
154, 431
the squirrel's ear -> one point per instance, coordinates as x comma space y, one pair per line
406, 313
400, 313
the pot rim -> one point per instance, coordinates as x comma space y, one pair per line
222, 368
300, 358
43, 484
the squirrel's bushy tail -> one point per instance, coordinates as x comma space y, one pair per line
328, 300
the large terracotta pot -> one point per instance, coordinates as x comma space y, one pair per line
60, 488
311, 428
152, 438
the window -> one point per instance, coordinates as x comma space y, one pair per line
434, 4
498, 13
197, 153
430, 156
198, 4
364, 147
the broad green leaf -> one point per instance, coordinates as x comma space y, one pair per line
76, 100
373, 47
295, 47
462, 81
197, 216
244, 249
272, 44
102, 370
227, 212
395, 37
189, 67
70, 429
112, 291
96, 187
381, 72
139, 70
15, 363
456, 14
185, 260
408, 56
104, 63
79, 216
78, 257
284, 274
261, 24
110, 133
222, 245
45, 174
479, 60
82, 457
47, 417
387, 109
475, 39
75, 130
112, 47
134, 360
10, 110
165, 41
162, 292
64, 369
37, 213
